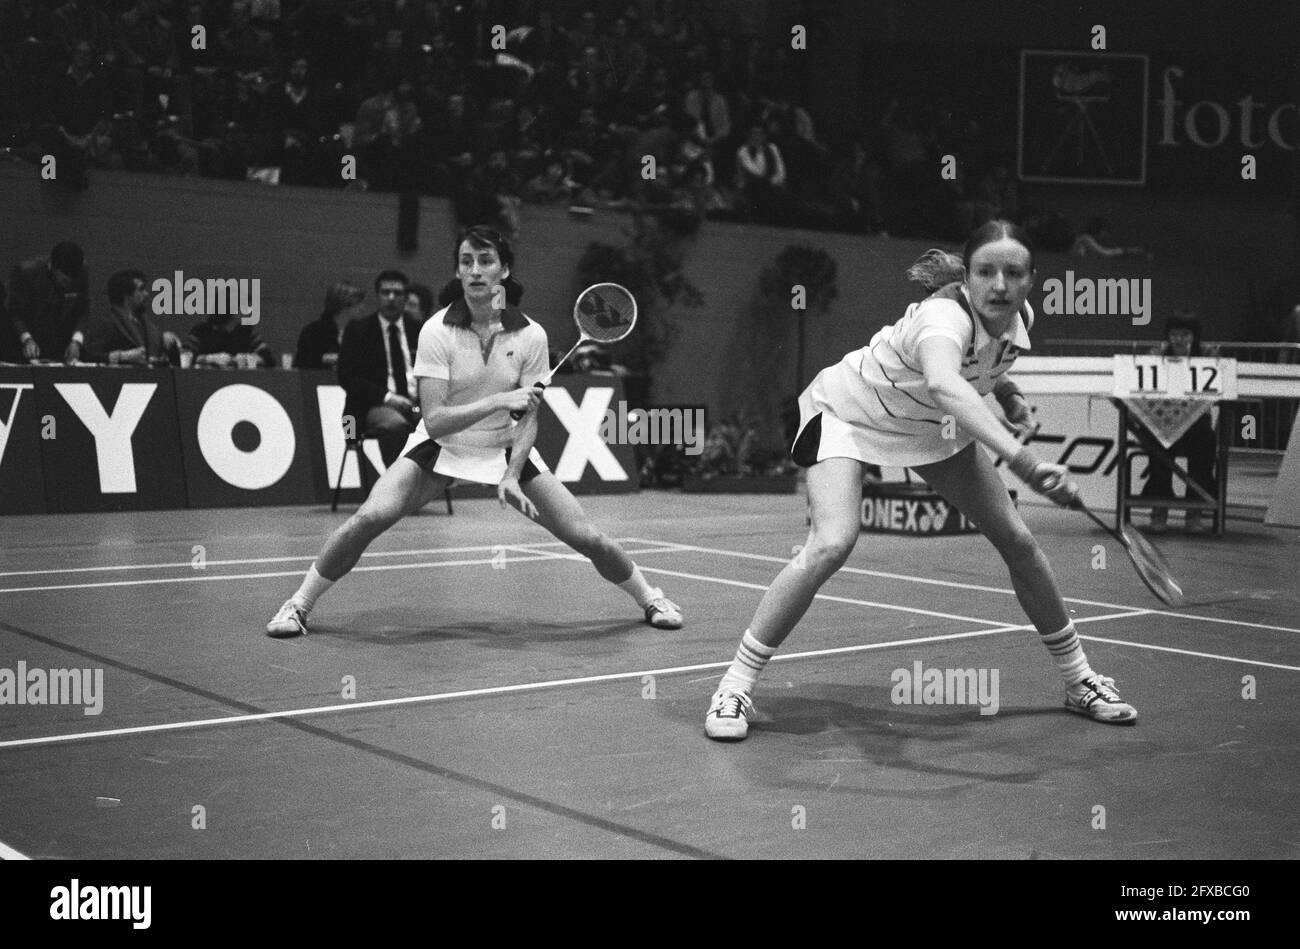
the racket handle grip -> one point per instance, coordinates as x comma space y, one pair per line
517, 414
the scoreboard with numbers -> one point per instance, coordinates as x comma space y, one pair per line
1175, 377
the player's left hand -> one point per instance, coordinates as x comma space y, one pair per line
509, 490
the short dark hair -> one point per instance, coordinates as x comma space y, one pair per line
1184, 319
481, 237
425, 295
67, 258
122, 283
391, 276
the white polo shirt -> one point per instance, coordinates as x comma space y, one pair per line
880, 393
515, 356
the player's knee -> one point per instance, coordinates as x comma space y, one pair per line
830, 551
370, 523
588, 541
1018, 545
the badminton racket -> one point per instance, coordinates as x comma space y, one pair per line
604, 313
1150, 564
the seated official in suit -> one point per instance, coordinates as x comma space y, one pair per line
126, 335
375, 369
226, 342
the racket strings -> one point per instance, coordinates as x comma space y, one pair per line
1153, 568
606, 314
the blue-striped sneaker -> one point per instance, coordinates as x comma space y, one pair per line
729, 715
290, 621
663, 613
1096, 697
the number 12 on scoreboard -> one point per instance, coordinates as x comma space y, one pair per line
1204, 377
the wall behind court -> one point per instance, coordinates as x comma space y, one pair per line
1207, 249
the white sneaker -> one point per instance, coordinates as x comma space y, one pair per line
729, 715
1096, 697
290, 621
663, 613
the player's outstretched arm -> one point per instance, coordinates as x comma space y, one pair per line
941, 363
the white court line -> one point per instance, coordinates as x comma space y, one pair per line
558, 683
972, 586
759, 586
253, 560
472, 693
9, 853
539, 555
1189, 652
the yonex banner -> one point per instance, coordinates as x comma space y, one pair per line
132, 439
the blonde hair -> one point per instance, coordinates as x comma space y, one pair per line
936, 268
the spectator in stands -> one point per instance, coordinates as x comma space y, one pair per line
376, 361
627, 56
594, 152
245, 48
126, 335
1198, 444
299, 119
590, 81
420, 302
226, 342
145, 43
709, 107
1095, 242
48, 302
760, 173
855, 190
551, 186
78, 21
80, 102
490, 194
319, 341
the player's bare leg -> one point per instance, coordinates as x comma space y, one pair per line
403, 489
561, 514
834, 498
969, 481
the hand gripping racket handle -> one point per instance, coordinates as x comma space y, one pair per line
517, 414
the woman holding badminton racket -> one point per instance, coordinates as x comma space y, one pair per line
887, 405
477, 364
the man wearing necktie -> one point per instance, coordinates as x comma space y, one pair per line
126, 335
375, 362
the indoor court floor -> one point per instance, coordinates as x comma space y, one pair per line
472, 691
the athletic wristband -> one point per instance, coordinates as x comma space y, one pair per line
1023, 465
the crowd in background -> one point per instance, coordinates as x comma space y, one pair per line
491, 104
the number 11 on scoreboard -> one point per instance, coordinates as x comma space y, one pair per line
1140, 375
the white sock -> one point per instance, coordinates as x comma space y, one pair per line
1067, 651
751, 658
313, 585
638, 589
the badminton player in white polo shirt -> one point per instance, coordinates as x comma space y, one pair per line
476, 362
914, 398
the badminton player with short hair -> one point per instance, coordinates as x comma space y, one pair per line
476, 362
886, 404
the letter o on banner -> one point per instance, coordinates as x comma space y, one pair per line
264, 465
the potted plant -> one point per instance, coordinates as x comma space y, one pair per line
737, 458
750, 451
